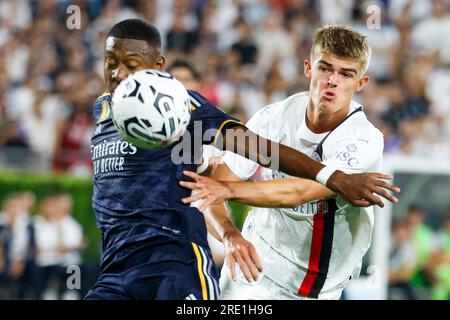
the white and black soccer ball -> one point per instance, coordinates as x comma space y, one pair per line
151, 109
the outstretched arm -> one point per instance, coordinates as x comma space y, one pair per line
220, 225
357, 189
278, 193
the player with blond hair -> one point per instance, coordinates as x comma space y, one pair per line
309, 241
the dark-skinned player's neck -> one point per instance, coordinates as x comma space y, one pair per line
319, 121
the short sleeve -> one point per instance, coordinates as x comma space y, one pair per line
208, 119
240, 166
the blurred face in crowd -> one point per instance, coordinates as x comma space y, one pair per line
50, 208
65, 203
185, 76
333, 81
13, 208
414, 217
126, 56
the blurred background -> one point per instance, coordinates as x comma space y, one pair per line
248, 54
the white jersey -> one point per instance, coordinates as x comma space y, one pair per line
314, 249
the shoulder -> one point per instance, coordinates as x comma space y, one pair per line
286, 108
359, 127
356, 133
198, 101
202, 109
106, 96
102, 106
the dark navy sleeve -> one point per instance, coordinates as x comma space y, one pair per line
209, 118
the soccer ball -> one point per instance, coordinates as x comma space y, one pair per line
151, 109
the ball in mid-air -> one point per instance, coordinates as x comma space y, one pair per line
151, 109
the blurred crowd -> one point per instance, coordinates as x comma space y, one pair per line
249, 53
419, 260
36, 250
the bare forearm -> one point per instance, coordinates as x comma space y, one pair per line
265, 193
219, 222
271, 154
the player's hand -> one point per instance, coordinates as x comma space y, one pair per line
242, 252
361, 189
210, 190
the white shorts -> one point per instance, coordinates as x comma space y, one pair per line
263, 289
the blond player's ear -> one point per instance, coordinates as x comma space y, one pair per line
362, 83
307, 68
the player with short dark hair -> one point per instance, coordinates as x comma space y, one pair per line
154, 245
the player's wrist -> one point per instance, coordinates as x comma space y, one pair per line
230, 193
324, 175
229, 231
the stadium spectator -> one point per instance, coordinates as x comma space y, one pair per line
402, 262
59, 239
426, 244
16, 240
438, 267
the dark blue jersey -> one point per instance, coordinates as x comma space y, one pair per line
137, 195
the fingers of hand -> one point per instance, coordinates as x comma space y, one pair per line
361, 203
192, 175
241, 253
254, 272
382, 192
387, 186
195, 197
377, 175
373, 199
190, 185
232, 264
255, 258
244, 267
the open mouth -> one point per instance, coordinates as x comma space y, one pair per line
329, 95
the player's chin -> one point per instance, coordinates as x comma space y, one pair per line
326, 103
